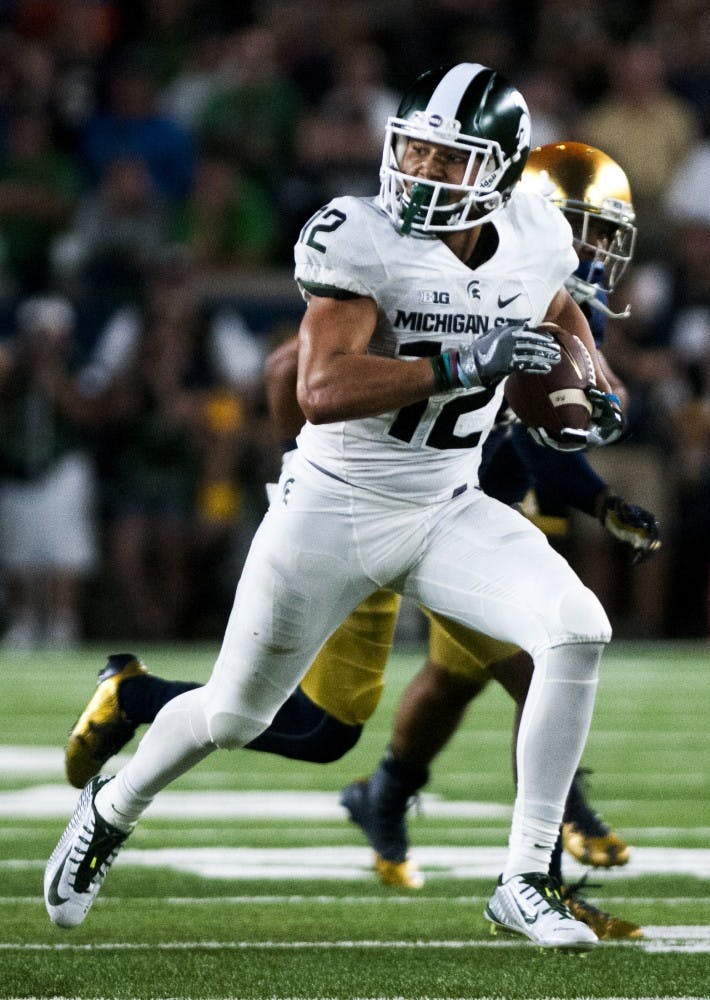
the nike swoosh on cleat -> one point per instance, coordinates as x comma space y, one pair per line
525, 915
53, 897
502, 303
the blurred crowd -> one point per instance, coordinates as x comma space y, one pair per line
157, 161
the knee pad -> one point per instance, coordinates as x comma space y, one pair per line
583, 616
238, 709
228, 730
577, 661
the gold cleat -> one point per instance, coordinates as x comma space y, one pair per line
585, 835
102, 729
600, 849
399, 874
605, 926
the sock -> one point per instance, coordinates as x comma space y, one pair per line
553, 730
302, 730
176, 742
410, 776
119, 805
556, 860
141, 698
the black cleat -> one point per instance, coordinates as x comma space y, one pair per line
378, 805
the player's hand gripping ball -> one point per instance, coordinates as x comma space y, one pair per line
556, 403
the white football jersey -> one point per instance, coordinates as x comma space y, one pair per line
428, 301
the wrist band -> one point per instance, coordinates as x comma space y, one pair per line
443, 366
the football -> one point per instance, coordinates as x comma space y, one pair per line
555, 400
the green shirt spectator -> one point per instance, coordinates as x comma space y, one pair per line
39, 186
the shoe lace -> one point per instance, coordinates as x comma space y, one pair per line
102, 843
544, 889
578, 810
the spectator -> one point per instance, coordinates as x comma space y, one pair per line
116, 229
644, 126
551, 108
687, 319
230, 221
132, 128
339, 145
47, 529
39, 186
179, 385
185, 97
254, 113
166, 37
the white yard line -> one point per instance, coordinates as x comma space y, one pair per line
658, 939
50, 801
351, 863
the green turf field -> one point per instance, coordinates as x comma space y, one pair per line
245, 880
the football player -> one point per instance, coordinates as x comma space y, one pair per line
324, 717
420, 302
593, 192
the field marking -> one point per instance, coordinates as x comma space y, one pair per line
351, 863
48, 801
657, 940
413, 899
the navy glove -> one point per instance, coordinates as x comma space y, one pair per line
569, 439
607, 426
607, 422
631, 525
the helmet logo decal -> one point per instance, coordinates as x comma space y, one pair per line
523, 136
438, 126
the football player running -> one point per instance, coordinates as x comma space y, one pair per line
419, 303
325, 715
593, 192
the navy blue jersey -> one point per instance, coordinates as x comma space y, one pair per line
513, 463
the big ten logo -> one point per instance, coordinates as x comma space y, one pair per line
438, 298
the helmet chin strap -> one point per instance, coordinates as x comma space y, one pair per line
585, 293
417, 197
594, 303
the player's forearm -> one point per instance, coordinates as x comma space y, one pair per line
351, 386
280, 373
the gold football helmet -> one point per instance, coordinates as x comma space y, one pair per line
593, 192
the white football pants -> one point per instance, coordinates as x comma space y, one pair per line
320, 550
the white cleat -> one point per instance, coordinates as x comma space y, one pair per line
531, 905
79, 863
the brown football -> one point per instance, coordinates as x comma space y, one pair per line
555, 400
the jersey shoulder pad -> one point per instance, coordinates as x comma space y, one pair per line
546, 234
338, 252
